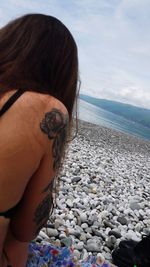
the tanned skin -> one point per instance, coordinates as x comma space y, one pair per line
55, 125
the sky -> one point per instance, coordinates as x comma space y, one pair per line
113, 39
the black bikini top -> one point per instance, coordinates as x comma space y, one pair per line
11, 100
7, 105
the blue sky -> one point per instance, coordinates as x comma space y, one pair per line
113, 38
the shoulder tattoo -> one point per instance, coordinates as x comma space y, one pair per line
55, 125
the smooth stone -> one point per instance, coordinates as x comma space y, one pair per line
58, 223
74, 232
107, 230
103, 214
63, 235
132, 235
110, 241
84, 225
83, 237
108, 224
88, 235
93, 247
43, 235
114, 233
135, 206
106, 249
83, 217
88, 230
141, 212
79, 245
61, 228
76, 179
52, 232
122, 220
66, 241
69, 203
138, 227
80, 206
94, 190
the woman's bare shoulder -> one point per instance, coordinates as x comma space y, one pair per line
25, 118
47, 114
55, 119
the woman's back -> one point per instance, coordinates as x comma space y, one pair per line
22, 147
22, 143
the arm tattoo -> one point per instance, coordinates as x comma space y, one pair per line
55, 125
42, 211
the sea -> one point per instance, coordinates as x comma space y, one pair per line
99, 116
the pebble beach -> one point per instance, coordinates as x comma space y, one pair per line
104, 193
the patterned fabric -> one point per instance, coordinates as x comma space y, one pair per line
53, 256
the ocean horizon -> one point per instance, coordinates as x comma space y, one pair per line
91, 113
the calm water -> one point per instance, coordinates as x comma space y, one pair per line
94, 114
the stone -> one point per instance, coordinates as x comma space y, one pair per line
114, 233
83, 237
122, 220
135, 206
94, 190
76, 179
43, 235
69, 203
79, 245
138, 227
108, 224
93, 247
66, 241
57, 223
62, 235
84, 225
110, 241
52, 232
83, 217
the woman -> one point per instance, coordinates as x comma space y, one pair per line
38, 88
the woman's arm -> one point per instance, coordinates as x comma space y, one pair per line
33, 211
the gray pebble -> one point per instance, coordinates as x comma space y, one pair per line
122, 220
135, 206
76, 179
115, 233
52, 232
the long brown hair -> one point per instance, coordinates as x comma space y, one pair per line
38, 53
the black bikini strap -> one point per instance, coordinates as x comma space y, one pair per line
11, 100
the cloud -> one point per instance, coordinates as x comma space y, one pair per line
113, 41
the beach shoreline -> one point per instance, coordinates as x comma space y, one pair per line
104, 192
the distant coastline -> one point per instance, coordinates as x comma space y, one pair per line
94, 114
129, 112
